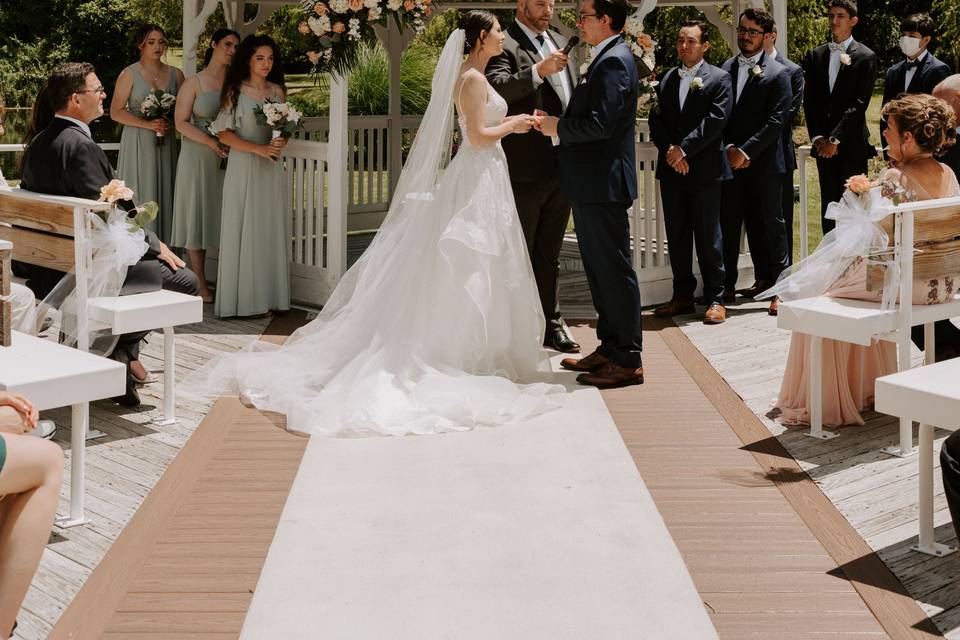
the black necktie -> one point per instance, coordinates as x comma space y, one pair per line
539, 39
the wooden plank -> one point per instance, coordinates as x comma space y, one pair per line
42, 216
55, 252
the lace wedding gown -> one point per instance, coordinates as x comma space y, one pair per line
428, 331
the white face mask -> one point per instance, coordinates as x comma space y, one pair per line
909, 45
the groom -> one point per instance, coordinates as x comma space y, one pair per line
598, 173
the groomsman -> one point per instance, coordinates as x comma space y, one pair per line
789, 152
534, 73
753, 140
839, 84
694, 104
920, 71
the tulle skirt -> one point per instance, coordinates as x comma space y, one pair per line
436, 328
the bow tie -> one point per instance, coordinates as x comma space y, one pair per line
745, 61
834, 46
539, 39
913, 64
686, 73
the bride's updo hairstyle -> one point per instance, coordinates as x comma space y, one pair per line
931, 120
474, 23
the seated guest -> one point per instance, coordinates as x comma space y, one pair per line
31, 470
917, 126
950, 468
920, 71
61, 158
23, 303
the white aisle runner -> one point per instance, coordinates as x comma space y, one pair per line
537, 530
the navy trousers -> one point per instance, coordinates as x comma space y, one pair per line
757, 201
603, 232
691, 214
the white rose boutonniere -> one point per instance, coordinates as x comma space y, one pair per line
696, 84
845, 59
756, 71
584, 67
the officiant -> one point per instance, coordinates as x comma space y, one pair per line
533, 72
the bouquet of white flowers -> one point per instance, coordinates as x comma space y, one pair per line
158, 104
282, 118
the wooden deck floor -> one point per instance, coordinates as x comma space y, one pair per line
737, 505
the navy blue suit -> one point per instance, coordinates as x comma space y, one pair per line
789, 149
598, 173
753, 195
930, 71
691, 202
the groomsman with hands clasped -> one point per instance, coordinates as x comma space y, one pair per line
694, 102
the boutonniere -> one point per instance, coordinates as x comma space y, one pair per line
583, 68
845, 59
756, 71
696, 84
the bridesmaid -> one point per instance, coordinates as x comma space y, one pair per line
253, 274
148, 169
199, 185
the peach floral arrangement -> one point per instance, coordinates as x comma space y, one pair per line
334, 29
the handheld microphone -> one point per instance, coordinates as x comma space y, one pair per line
574, 41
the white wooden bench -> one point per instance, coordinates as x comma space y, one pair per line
935, 226
51, 231
931, 396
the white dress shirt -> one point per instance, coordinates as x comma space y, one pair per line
83, 125
562, 82
912, 71
743, 70
686, 78
834, 67
595, 51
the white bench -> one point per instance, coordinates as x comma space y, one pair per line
937, 224
52, 375
931, 396
51, 231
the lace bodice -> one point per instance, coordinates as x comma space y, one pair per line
494, 111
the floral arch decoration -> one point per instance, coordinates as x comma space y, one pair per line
334, 29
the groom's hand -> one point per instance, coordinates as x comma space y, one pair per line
548, 124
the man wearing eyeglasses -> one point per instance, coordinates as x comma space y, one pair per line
753, 140
839, 78
598, 172
62, 159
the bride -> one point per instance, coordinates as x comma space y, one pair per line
428, 331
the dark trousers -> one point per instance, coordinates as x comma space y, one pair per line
950, 468
603, 231
787, 208
754, 200
832, 174
691, 213
946, 337
544, 213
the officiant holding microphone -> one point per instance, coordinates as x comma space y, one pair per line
534, 72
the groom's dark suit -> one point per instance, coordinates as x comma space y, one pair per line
691, 202
598, 172
543, 208
753, 195
840, 114
63, 160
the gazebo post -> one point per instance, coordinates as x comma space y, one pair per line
338, 155
194, 20
394, 41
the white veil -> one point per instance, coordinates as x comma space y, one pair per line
429, 329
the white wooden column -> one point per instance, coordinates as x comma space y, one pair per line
337, 192
780, 15
394, 41
194, 21
727, 30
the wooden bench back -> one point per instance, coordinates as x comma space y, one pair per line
936, 235
40, 227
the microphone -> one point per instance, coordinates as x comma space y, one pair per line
574, 41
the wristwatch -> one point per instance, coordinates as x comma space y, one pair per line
833, 140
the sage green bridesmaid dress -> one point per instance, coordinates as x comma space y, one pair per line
253, 269
146, 168
199, 187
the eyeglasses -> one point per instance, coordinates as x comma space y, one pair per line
583, 16
97, 90
753, 33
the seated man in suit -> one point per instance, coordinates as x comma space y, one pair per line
61, 158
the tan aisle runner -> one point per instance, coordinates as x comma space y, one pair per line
537, 530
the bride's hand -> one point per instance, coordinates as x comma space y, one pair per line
520, 123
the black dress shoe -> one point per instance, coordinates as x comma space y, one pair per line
560, 341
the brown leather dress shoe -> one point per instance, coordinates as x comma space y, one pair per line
716, 314
612, 376
674, 308
753, 290
590, 363
774, 306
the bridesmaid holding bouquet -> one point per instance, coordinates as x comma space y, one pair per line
148, 150
253, 274
200, 169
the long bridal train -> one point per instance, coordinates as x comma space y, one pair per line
436, 325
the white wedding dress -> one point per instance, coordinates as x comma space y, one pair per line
435, 326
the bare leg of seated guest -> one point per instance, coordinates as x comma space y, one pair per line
197, 259
30, 485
